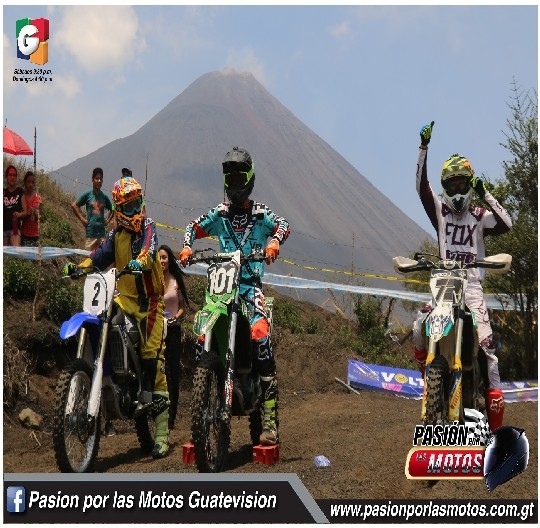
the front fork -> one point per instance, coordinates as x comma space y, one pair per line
228, 388
455, 397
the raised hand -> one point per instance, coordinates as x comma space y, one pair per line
425, 134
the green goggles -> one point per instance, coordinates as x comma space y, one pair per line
237, 179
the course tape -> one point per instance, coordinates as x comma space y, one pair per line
324, 270
284, 281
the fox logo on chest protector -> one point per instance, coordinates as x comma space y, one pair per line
239, 221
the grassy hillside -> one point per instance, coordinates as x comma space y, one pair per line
37, 301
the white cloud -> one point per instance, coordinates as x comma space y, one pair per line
67, 85
246, 59
181, 32
99, 38
8, 66
343, 30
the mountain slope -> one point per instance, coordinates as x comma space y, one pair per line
326, 200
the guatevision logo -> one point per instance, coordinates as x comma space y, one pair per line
33, 40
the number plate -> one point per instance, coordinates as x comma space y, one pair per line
222, 278
98, 291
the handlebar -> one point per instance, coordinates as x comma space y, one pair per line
499, 263
199, 256
87, 270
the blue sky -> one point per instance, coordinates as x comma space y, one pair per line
363, 78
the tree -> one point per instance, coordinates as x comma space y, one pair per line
519, 195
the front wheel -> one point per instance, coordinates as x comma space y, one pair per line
211, 431
436, 381
75, 434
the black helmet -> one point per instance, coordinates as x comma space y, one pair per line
238, 175
506, 456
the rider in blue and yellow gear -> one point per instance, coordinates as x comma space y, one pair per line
244, 224
134, 244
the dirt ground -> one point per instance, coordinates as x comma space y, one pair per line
366, 437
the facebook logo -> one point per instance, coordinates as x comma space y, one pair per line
16, 499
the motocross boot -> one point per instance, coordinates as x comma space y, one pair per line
149, 369
495, 408
269, 388
420, 356
160, 413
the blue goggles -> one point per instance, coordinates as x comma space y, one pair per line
131, 207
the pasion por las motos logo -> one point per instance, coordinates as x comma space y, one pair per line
33, 40
449, 451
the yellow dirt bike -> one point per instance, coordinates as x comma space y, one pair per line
451, 382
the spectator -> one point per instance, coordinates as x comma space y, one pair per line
175, 305
14, 208
30, 222
95, 202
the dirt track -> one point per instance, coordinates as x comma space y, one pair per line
366, 437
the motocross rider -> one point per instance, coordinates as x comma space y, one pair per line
245, 224
461, 229
133, 244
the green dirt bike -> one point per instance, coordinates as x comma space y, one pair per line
225, 383
452, 378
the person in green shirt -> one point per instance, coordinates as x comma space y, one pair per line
95, 201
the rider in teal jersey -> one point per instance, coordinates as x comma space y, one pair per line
246, 225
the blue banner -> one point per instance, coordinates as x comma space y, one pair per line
409, 383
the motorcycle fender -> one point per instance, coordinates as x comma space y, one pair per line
206, 318
72, 326
439, 322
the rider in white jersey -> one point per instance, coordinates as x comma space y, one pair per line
461, 229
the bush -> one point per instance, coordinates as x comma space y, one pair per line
55, 230
312, 326
16, 369
20, 278
62, 299
286, 315
196, 290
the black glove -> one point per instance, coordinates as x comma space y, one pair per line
479, 186
425, 134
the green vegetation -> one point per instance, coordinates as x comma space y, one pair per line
518, 329
287, 316
20, 278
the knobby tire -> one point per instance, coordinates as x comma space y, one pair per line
75, 440
211, 434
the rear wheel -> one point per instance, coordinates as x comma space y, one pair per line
75, 434
210, 429
436, 376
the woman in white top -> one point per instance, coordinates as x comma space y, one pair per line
175, 305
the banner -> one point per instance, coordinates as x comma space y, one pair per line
409, 383
160, 498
